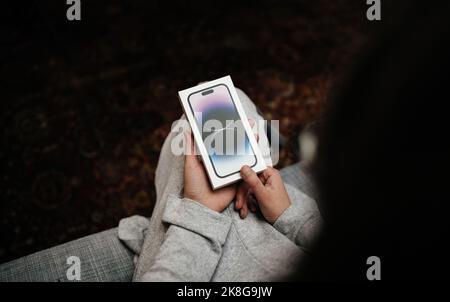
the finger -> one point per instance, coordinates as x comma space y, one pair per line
191, 158
252, 202
244, 211
262, 178
187, 142
271, 175
245, 206
241, 195
251, 179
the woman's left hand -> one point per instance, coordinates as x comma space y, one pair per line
196, 183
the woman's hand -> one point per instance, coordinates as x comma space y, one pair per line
196, 183
269, 191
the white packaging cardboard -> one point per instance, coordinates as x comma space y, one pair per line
216, 180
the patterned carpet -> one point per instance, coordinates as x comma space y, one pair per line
86, 106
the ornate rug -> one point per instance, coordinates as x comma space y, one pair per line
86, 106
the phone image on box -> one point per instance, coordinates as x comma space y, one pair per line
223, 133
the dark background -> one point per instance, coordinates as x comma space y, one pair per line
86, 105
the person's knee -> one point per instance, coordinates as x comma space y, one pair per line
244, 97
248, 105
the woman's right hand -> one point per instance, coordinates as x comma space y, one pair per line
269, 192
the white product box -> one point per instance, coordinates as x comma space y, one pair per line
221, 131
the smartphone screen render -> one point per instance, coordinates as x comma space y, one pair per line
216, 104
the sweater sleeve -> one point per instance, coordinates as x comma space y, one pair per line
301, 221
193, 242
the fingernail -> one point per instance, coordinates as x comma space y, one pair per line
245, 169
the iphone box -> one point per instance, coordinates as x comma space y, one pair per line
221, 130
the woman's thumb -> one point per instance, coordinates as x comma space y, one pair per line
252, 180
